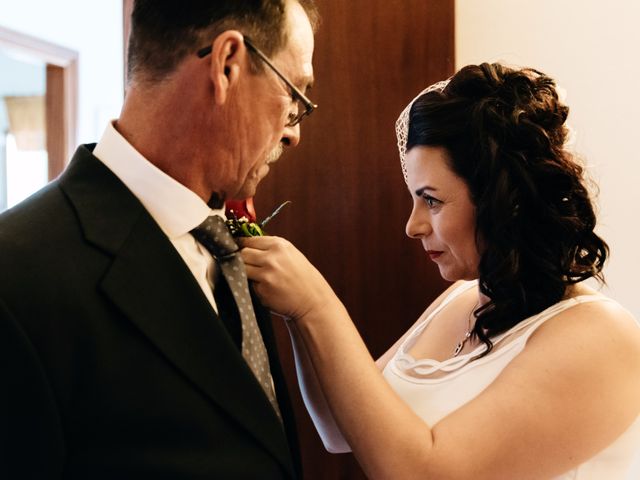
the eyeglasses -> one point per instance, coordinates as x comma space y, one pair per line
303, 110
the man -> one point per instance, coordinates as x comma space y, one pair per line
122, 347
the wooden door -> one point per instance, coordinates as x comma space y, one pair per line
349, 200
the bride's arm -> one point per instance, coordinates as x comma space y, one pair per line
552, 408
365, 409
312, 394
313, 397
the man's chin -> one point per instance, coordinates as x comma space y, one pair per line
248, 189
250, 185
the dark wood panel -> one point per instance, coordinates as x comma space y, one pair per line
350, 202
60, 106
56, 127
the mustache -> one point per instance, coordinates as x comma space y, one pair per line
274, 155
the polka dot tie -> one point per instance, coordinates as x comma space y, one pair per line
214, 235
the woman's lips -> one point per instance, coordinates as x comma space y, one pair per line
433, 254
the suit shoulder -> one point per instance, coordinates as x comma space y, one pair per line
35, 218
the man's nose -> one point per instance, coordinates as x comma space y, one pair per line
291, 136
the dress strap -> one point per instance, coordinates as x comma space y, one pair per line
423, 368
531, 324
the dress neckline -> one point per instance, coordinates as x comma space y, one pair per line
427, 366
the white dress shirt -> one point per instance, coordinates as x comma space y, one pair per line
175, 208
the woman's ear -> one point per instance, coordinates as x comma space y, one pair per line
228, 53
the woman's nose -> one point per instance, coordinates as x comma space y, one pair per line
418, 224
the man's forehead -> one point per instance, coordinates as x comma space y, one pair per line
296, 61
297, 54
300, 33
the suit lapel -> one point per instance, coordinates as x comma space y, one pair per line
149, 282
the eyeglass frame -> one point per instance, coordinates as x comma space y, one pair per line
309, 106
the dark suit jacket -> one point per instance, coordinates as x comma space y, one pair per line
113, 363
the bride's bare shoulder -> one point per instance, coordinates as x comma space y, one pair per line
596, 325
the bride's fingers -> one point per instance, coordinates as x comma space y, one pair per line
258, 243
268, 252
253, 272
253, 256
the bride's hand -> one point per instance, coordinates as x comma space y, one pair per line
284, 280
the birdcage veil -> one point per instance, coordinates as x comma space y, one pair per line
402, 124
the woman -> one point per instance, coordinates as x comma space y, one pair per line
519, 370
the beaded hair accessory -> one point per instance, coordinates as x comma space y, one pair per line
402, 124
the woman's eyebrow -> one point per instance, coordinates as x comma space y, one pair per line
421, 190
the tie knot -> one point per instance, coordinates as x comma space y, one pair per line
215, 236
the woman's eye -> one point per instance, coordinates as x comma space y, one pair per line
431, 201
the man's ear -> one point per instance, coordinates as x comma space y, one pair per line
228, 58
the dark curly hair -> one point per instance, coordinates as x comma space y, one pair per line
164, 32
505, 132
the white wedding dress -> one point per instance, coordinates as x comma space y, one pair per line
435, 389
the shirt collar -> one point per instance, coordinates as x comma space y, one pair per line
175, 208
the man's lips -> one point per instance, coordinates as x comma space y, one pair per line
434, 254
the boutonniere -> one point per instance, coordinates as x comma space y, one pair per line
241, 218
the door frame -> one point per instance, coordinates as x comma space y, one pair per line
61, 98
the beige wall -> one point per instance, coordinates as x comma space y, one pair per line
591, 48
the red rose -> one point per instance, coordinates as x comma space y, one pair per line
240, 208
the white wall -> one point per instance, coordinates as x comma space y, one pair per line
94, 29
591, 48
21, 173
